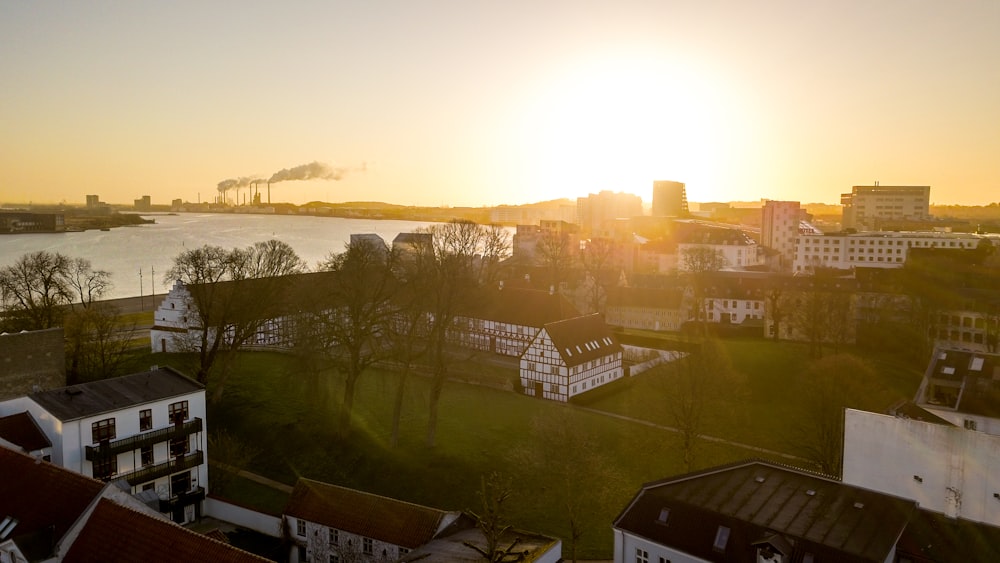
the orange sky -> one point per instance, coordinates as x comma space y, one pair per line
468, 103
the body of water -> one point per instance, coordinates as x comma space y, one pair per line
150, 249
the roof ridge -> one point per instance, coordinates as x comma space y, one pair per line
441, 511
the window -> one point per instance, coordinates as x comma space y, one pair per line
403, 551
103, 430
180, 483
300, 528
366, 546
641, 556
334, 537
178, 412
149, 486
334, 558
664, 560
721, 539
970, 424
146, 455
105, 468
145, 420
664, 515
179, 446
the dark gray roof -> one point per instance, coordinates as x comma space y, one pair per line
106, 395
582, 339
967, 382
757, 500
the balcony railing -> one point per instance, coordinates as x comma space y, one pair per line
173, 465
182, 499
116, 447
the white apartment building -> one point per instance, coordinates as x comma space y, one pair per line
145, 432
872, 249
869, 207
739, 254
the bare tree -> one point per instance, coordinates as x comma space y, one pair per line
596, 259
229, 456
87, 284
700, 262
494, 491
561, 450
828, 386
695, 387
554, 252
35, 289
97, 342
351, 315
449, 282
232, 294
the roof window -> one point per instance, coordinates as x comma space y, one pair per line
721, 538
664, 515
976, 365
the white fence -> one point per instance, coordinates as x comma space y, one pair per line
649, 358
243, 517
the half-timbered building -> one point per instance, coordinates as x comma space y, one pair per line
570, 357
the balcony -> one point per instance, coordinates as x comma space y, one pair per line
182, 499
169, 467
115, 447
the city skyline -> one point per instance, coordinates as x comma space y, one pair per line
445, 103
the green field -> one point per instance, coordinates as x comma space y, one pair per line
556, 456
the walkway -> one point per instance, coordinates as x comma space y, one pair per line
705, 437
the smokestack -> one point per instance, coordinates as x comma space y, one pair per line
269, 192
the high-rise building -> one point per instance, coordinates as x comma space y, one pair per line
870, 207
597, 212
93, 200
779, 227
669, 199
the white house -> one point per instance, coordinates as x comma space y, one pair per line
759, 512
145, 432
571, 357
328, 523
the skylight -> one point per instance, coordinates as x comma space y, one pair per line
977, 364
948, 370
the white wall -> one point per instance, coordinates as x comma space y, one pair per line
626, 545
958, 469
250, 519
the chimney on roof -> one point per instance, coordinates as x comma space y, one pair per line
552, 289
501, 285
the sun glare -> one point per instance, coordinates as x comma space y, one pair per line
618, 124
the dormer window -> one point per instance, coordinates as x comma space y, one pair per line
721, 538
664, 516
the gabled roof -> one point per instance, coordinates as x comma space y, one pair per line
385, 519
45, 499
115, 534
413, 238
649, 297
756, 500
582, 339
108, 395
521, 306
21, 429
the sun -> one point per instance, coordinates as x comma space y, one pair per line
618, 123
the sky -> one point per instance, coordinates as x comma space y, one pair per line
464, 103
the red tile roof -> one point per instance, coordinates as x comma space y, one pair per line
525, 307
42, 495
385, 519
115, 534
21, 429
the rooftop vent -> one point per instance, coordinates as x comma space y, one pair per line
859, 505
759, 479
811, 492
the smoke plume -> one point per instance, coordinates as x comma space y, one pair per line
240, 182
312, 171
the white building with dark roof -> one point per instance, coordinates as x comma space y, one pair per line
145, 432
571, 357
332, 523
756, 511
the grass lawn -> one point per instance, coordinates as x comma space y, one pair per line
290, 417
